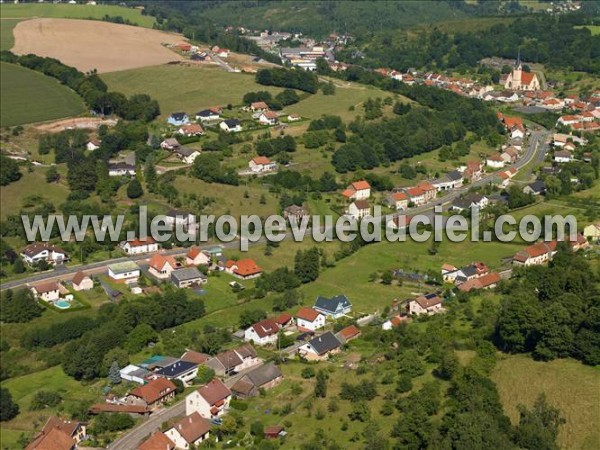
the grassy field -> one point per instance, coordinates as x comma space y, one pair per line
29, 10
595, 29
29, 96
7, 40
180, 88
568, 385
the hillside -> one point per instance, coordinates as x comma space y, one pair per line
28, 96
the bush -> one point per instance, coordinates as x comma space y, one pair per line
44, 399
238, 404
308, 372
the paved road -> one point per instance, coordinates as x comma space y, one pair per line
222, 63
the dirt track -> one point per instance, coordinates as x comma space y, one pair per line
89, 44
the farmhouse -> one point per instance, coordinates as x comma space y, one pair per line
262, 164
264, 377
186, 277
193, 129
58, 434
82, 282
535, 254
262, 333
231, 126
233, 361
244, 268
196, 257
320, 347
124, 272
334, 307
268, 118
139, 246
191, 430
158, 441
178, 119
210, 401
358, 190
42, 251
308, 319
153, 394
359, 209
207, 115
425, 304
161, 266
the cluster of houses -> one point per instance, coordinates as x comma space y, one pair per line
474, 276
59, 434
543, 252
206, 116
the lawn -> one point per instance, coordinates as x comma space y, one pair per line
181, 88
568, 385
7, 40
595, 29
29, 10
29, 96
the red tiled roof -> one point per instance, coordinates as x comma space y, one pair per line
246, 267
348, 193
527, 77
425, 302
512, 121
54, 439
426, 186
79, 276
214, 392
158, 262
46, 287
359, 185
261, 160
195, 357
270, 114
308, 314
193, 252
154, 390
140, 242
415, 192
158, 441
283, 318
266, 327
192, 427
193, 128
349, 332
399, 196
259, 105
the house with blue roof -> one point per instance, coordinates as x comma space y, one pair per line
334, 307
178, 118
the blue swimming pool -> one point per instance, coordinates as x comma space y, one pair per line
62, 304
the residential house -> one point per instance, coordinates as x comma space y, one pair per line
231, 126
449, 273
49, 292
233, 361
161, 266
244, 268
358, 190
309, 319
334, 307
192, 129
563, 156
207, 115
416, 196
210, 401
347, 334
58, 434
452, 180
488, 281
82, 282
425, 304
568, 120
187, 155
124, 272
170, 144
393, 322
592, 232
295, 212
139, 246
120, 169
473, 171
221, 52
42, 251
294, 118
184, 371
262, 333
158, 441
519, 80
284, 320
262, 164
190, 431
178, 118
430, 190
176, 217
93, 144
268, 118
259, 107
321, 347
153, 394
196, 257
264, 377
535, 254
495, 161
538, 187
195, 357
397, 201
470, 201
552, 104
359, 209
517, 132
187, 277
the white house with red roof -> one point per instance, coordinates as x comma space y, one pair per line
397, 200
495, 161
196, 257
268, 118
425, 304
244, 268
358, 190
263, 332
262, 164
535, 254
309, 319
139, 246
191, 430
210, 401
161, 266
416, 195
49, 292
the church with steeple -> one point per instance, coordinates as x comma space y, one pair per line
519, 80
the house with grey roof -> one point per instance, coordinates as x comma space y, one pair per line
186, 277
320, 347
265, 377
334, 307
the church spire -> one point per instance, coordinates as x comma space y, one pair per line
519, 58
